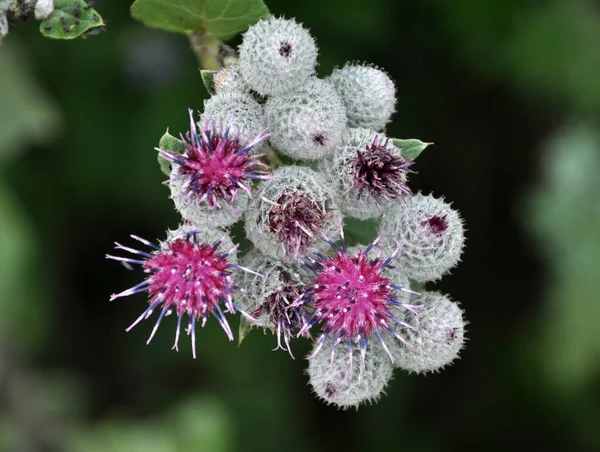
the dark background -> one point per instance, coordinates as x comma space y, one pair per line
508, 90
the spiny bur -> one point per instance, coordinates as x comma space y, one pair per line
277, 55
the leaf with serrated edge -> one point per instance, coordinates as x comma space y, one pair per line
169, 142
70, 19
221, 18
410, 148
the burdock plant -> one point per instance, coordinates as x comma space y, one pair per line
242, 165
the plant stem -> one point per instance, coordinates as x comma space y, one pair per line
211, 53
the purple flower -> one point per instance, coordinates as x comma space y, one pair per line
186, 275
296, 220
381, 171
283, 316
216, 164
352, 298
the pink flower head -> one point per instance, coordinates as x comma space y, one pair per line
215, 165
352, 298
185, 276
381, 171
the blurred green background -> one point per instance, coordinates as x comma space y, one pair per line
510, 93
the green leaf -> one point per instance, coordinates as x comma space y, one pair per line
411, 148
223, 19
70, 19
208, 78
170, 143
245, 329
359, 232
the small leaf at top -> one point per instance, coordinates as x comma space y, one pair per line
223, 19
208, 78
169, 142
410, 148
70, 19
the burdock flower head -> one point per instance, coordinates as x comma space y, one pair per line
277, 55
432, 234
352, 298
188, 274
308, 122
210, 181
369, 94
341, 380
269, 297
437, 336
367, 173
289, 212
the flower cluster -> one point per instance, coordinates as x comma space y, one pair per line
301, 278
